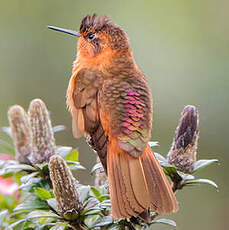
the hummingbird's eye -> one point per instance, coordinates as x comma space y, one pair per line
91, 36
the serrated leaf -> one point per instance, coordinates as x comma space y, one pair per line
2, 216
58, 128
52, 203
203, 163
153, 144
63, 151
106, 220
201, 181
97, 166
43, 193
165, 221
39, 214
30, 203
73, 156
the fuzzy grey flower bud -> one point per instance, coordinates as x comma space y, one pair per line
43, 142
21, 133
183, 151
63, 186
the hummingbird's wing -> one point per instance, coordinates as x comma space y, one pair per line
82, 99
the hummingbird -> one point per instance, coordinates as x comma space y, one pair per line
111, 105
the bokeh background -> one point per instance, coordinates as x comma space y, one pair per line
182, 47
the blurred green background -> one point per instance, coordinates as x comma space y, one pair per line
182, 47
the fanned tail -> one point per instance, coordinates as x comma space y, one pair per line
137, 184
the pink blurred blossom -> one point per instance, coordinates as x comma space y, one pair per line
7, 185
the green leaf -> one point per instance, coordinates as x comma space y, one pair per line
91, 211
83, 192
16, 223
16, 168
39, 214
58, 128
106, 220
162, 161
34, 181
75, 165
42, 224
2, 216
63, 151
153, 144
73, 156
104, 197
165, 221
90, 202
59, 226
96, 192
203, 163
185, 176
201, 181
90, 221
113, 227
71, 215
96, 167
43, 193
170, 170
27, 225
32, 202
42, 167
105, 204
52, 203
25, 179
6, 202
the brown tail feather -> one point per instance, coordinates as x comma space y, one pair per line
137, 184
163, 199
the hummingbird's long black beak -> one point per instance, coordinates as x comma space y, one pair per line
71, 32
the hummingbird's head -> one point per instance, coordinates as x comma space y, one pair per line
98, 36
